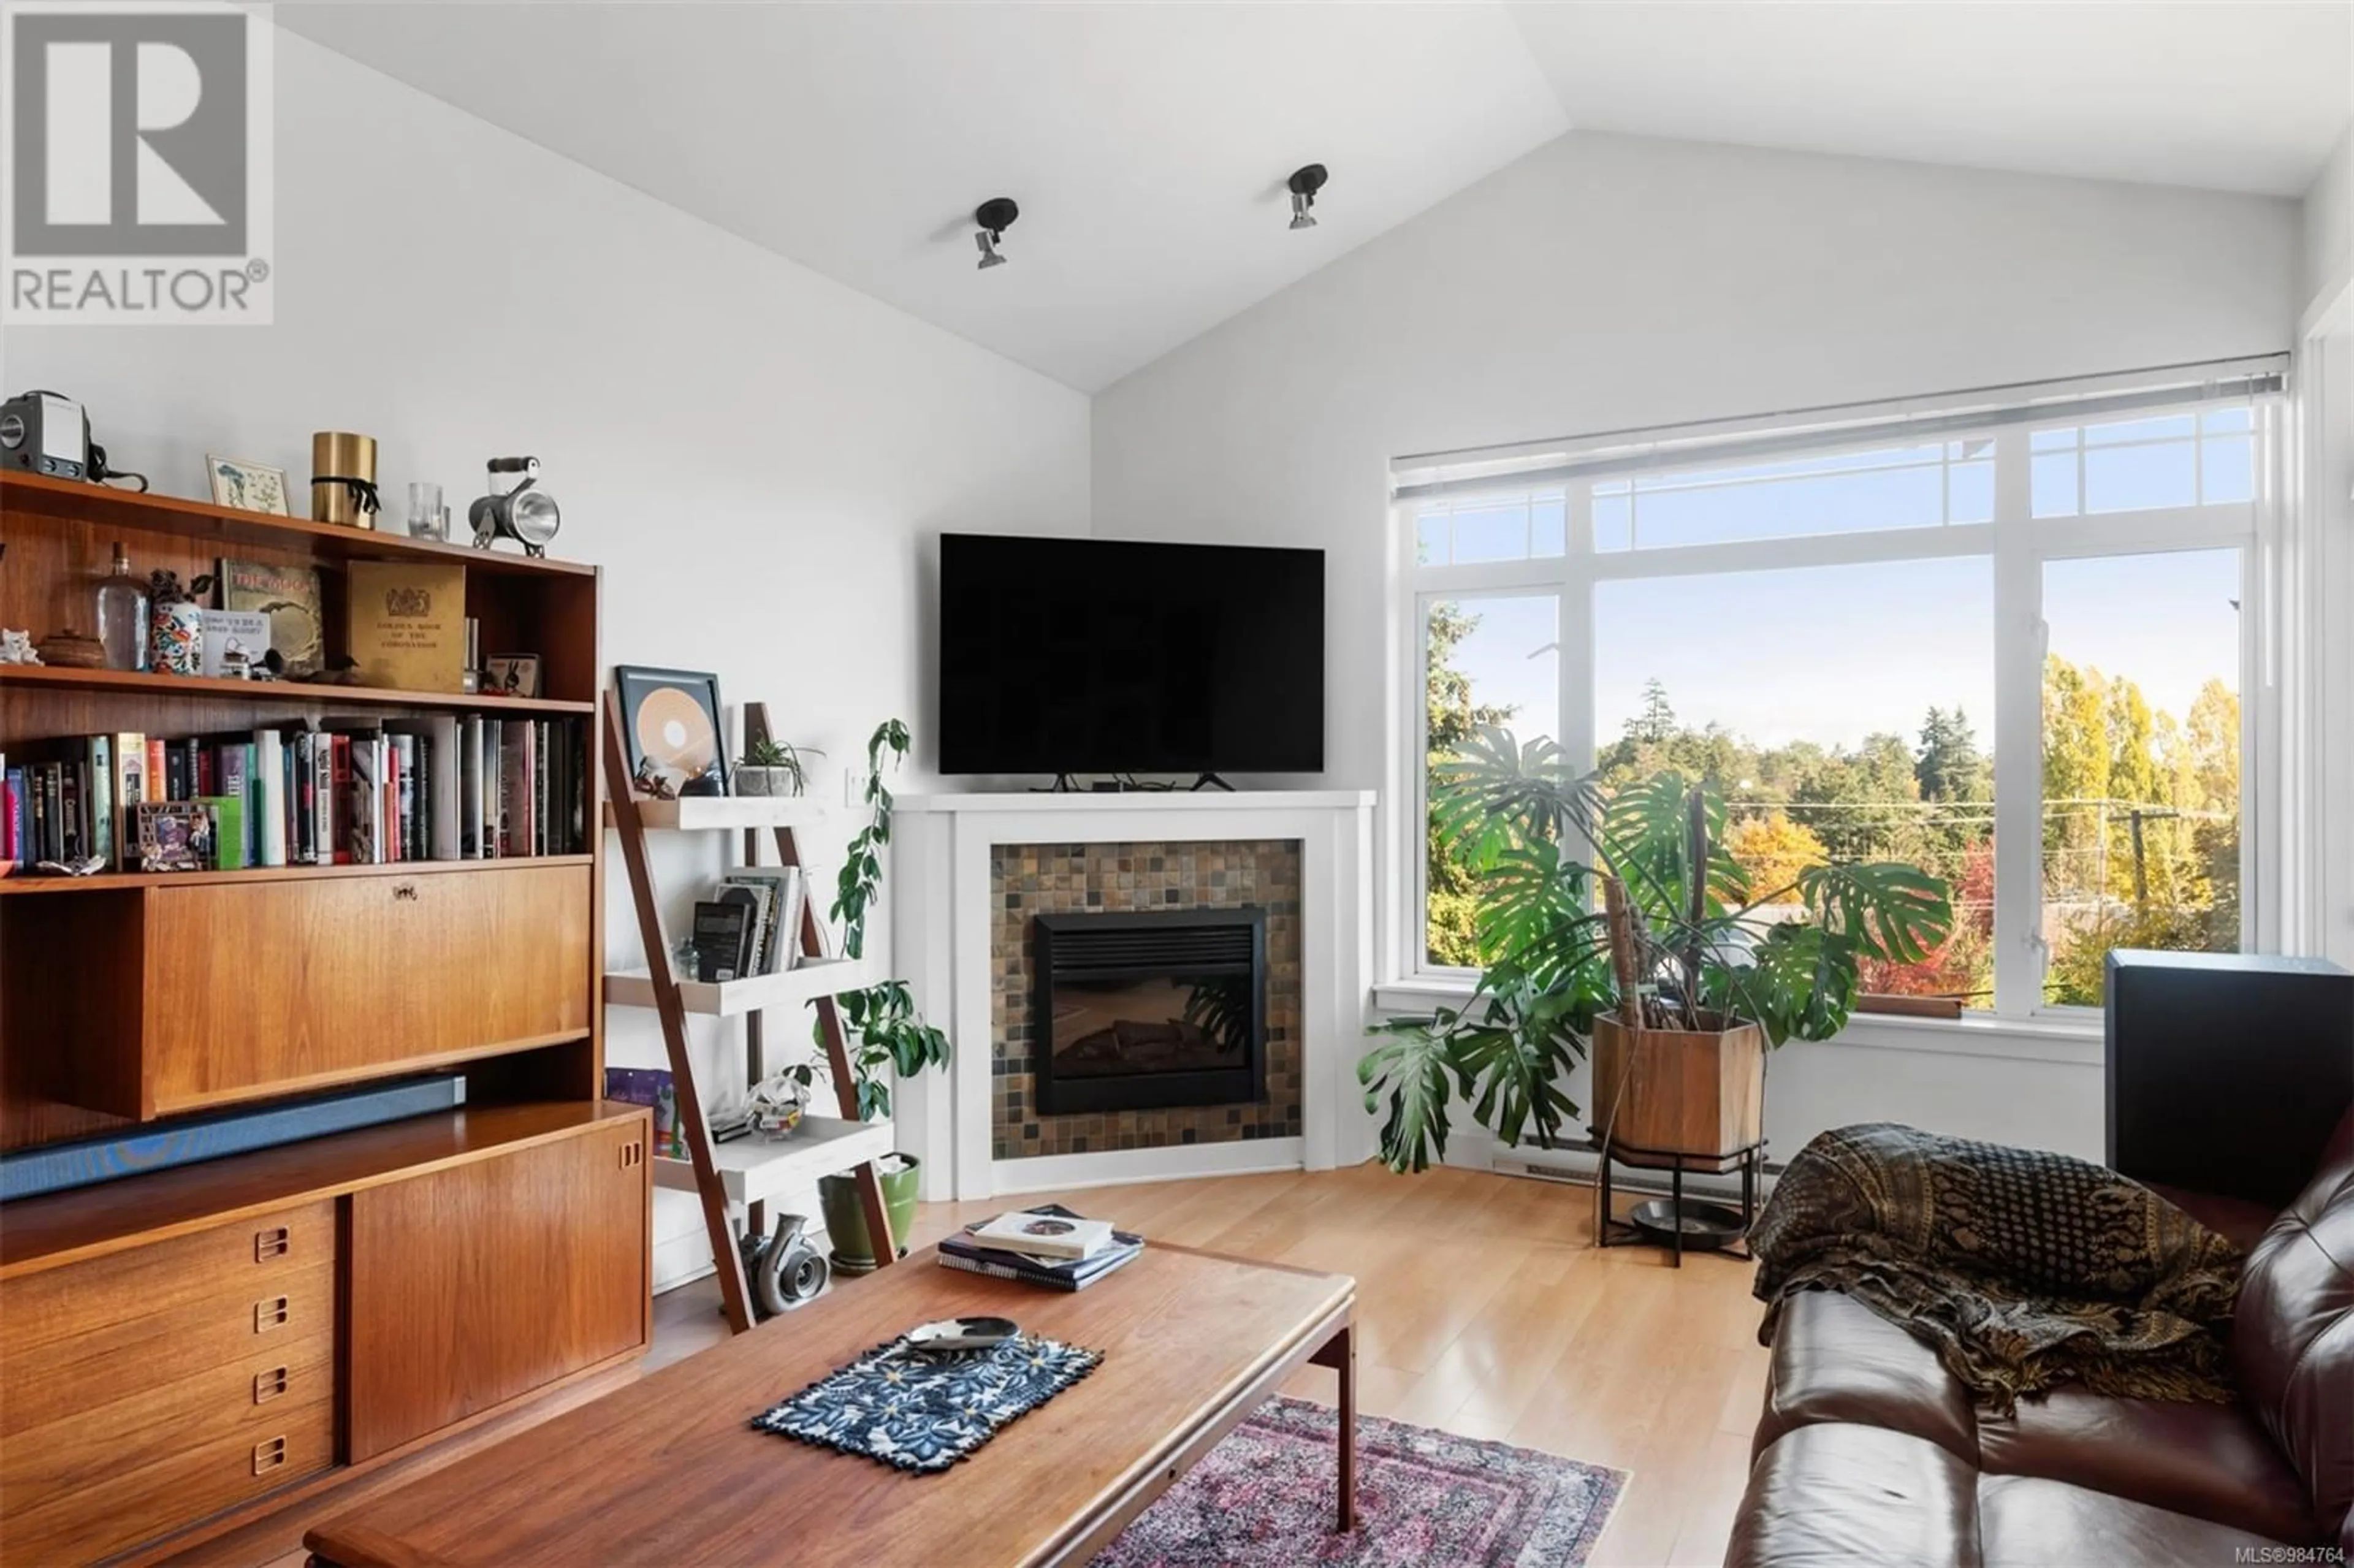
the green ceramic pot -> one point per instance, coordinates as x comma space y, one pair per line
845, 1220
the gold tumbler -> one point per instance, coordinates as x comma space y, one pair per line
342, 478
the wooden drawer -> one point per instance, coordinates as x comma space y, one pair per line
243, 1261
143, 1495
300, 984
98, 1442
132, 1357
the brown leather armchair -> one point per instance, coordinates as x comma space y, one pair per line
1867, 1452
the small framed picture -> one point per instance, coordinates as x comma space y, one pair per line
670, 725
248, 486
174, 835
514, 675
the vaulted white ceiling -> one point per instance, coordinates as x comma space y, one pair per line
1148, 144
2244, 95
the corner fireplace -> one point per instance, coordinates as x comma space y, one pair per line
1138, 1012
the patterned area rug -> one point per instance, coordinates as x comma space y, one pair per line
1264, 1499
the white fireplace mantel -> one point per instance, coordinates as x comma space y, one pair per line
941, 933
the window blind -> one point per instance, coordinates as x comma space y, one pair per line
1812, 430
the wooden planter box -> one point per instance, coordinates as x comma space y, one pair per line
1697, 1095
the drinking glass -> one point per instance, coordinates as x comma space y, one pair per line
428, 518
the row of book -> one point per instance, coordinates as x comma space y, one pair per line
752, 926
1050, 1246
338, 792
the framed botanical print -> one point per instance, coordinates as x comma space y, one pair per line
248, 486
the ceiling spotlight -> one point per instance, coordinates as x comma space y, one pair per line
995, 216
1305, 183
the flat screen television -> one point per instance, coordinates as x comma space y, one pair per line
1110, 656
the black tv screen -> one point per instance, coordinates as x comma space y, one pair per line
1107, 656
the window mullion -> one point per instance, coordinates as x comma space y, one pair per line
2018, 648
1576, 632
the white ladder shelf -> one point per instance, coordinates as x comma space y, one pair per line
748, 1171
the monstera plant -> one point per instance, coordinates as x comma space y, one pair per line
1698, 951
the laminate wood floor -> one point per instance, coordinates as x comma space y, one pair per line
1483, 1309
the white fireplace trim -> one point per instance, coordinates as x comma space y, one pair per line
1126, 1166
941, 925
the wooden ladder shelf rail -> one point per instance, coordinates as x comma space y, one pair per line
734, 1290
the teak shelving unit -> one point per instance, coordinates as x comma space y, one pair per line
184, 1348
748, 1171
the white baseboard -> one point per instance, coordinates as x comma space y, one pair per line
1127, 1167
681, 1260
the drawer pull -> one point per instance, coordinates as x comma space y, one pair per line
272, 1313
269, 1386
268, 1455
633, 1154
405, 890
272, 1242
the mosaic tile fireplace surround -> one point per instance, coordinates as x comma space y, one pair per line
1033, 879
960, 864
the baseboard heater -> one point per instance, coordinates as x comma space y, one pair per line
29, 1172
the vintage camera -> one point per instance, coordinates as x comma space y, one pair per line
784, 1270
47, 434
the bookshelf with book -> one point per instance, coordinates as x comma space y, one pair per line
302, 893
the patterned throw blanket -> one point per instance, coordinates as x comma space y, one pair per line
2023, 1270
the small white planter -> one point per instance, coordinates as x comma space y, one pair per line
773, 782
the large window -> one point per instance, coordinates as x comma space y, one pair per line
2141, 760
1914, 638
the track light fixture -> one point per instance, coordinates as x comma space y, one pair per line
995, 216
1304, 185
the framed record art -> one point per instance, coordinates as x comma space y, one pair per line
670, 725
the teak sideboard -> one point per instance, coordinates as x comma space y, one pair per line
184, 1348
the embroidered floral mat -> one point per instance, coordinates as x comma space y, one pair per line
924, 1412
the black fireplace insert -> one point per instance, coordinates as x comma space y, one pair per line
1141, 1011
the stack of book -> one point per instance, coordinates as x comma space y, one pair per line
1048, 1246
347, 791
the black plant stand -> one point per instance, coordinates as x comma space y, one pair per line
1624, 1233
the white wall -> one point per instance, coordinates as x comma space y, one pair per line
1604, 282
2324, 390
2327, 258
752, 452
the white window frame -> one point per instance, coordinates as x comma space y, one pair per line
2019, 544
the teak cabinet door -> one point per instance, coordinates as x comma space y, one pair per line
272, 987
485, 1281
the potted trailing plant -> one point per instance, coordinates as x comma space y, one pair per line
774, 767
1618, 918
885, 1032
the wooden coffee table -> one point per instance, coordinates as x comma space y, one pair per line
667, 1471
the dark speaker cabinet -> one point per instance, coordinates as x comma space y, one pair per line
2226, 1072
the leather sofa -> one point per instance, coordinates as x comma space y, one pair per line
1867, 1452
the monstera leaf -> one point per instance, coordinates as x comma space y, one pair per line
1507, 1053
1526, 897
1803, 984
1495, 792
1411, 1070
1889, 910
1645, 837
1524, 1043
